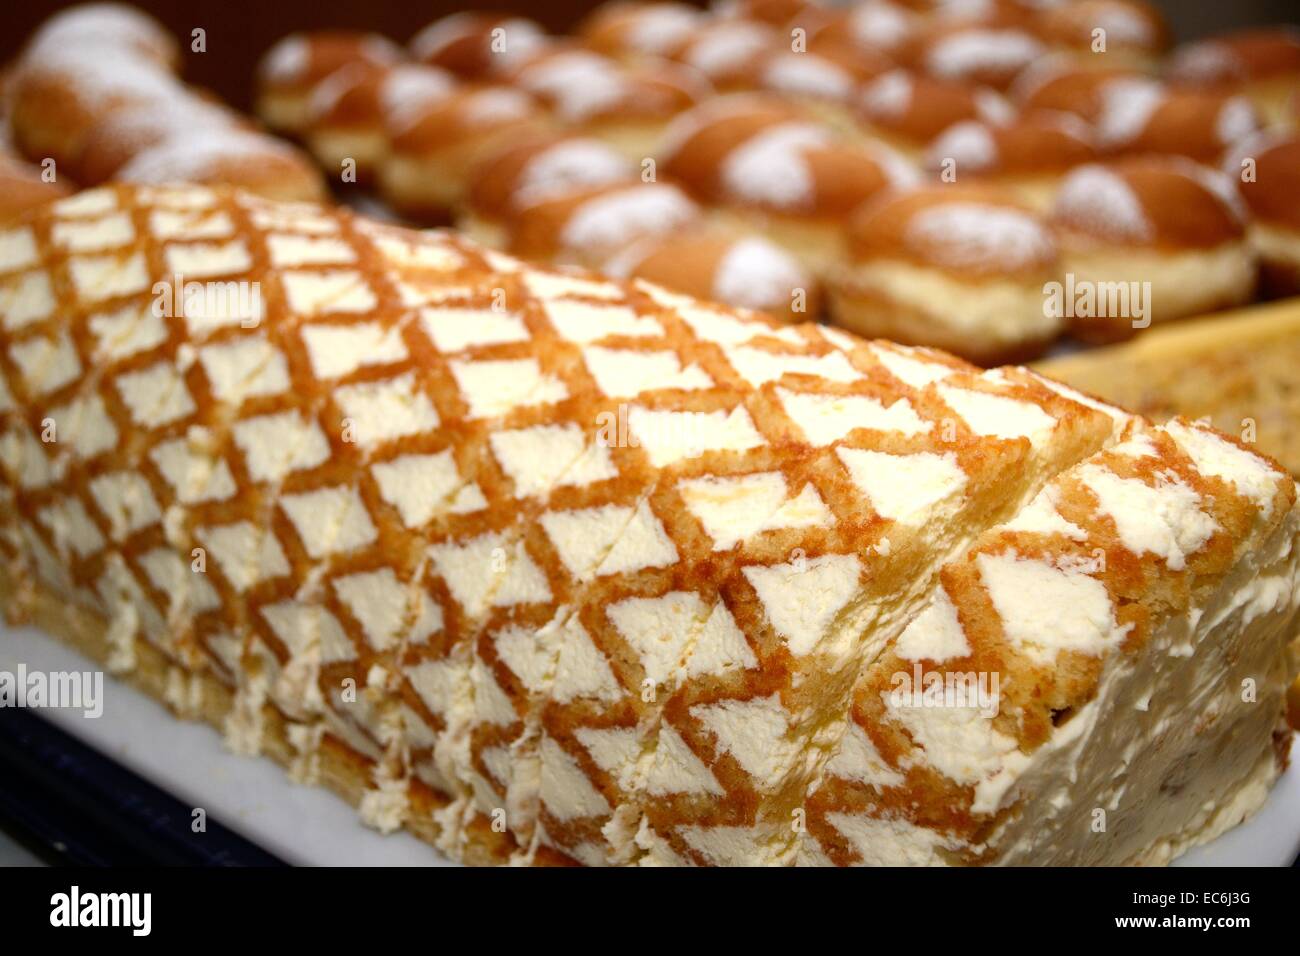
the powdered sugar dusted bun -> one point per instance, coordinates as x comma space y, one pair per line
538, 168
824, 81
1144, 116
954, 266
434, 149
348, 111
56, 95
1026, 156
625, 106
725, 50
1263, 64
290, 70
1061, 84
693, 145
253, 161
107, 26
1266, 170
590, 225
631, 30
478, 46
124, 133
1110, 34
745, 271
22, 187
988, 54
873, 26
908, 110
1165, 221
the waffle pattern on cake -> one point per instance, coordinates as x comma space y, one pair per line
576, 570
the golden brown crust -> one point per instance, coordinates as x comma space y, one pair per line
468, 115
1065, 88
696, 143
1272, 192
629, 28
301, 60
1163, 202
1234, 58
503, 180
1130, 25
917, 108
888, 229
22, 188
1031, 143
991, 51
477, 46
1197, 124
724, 50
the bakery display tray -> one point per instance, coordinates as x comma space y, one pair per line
310, 826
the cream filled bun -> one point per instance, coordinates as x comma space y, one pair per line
1140, 116
589, 225
742, 271
959, 267
1106, 34
628, 107
434, 148
290, 70
824, 81
1027, 156
536, 168
1062, 84
347, 112
988, 52
725, 50
478, 46
1267, 173
1262, 64
1151, 239
907, 110
630, 30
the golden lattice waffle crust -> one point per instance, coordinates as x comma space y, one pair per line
585, 571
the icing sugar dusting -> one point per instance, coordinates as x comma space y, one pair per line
727, 46
497, 104
616, 218
200, 153
288, 61
755, 274
880, 24
888, 97
978, 236
1236, 120
770, 168
658, 29
973, 51
580, 84
409, 88
807, 74
1101, 203
970, 143
579, 162
1126, 108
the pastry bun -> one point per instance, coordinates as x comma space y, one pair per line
22, 187
907, 110
291, 69
1162, 224
1143, 116
630, 30
435, 148
990, 53
725, 50
1266, 170
1261, 63
955, 266
1063, 85
589, 225
741, 271
107, 26
1106, 34
538, 167
1026, 157
478, 46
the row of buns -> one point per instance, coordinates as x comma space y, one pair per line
921, 171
